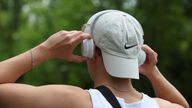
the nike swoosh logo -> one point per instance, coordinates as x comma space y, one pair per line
127, 47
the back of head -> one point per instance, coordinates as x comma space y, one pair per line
119, 36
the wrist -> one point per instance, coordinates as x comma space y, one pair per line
153, 74
39, 55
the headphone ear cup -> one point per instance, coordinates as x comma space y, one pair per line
141, 57
88, 48
88, 44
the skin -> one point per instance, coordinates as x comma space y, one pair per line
61, 45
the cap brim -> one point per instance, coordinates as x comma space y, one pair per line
121, 67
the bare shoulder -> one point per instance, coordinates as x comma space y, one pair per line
49, 96
166, 104
72, 96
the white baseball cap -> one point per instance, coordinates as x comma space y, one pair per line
119, 37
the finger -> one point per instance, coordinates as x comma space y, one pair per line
62, 32
57, 36
78, 39
77, 59
73, 34
151, 54
148, 50
87, 36
69, 36
73, 31
156, 55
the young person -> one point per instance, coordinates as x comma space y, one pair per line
117, 43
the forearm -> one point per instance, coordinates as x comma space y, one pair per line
13, 68
165, 90
59, 45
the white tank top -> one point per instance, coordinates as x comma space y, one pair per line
99, 101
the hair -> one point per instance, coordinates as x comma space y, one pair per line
98, 50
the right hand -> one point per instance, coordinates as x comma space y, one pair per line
63, 43
149, 66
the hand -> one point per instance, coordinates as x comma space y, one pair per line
63, 43
149, 66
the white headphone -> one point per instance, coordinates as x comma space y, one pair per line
88, 44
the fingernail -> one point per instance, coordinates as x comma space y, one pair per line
87, 35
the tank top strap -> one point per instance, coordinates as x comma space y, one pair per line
99, 101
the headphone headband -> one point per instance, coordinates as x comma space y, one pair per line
93, 19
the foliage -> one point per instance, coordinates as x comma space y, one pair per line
167, 25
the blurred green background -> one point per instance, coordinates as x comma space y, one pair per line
167, 26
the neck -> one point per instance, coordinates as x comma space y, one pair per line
118, 84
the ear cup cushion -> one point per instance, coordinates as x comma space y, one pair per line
88, 48
141, 57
